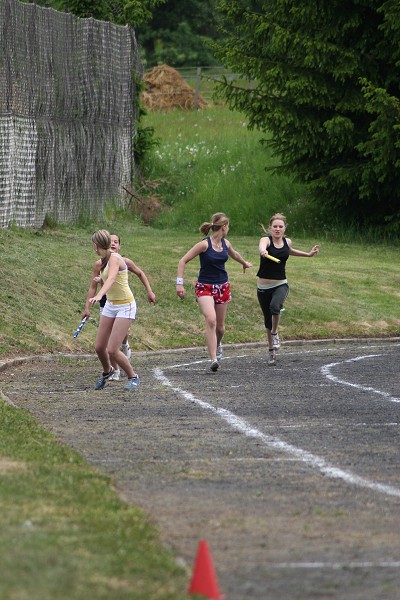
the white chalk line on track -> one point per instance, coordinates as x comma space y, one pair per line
326, 370
335, 565
287, 353
240, 425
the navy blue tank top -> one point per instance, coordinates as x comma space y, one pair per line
212, 264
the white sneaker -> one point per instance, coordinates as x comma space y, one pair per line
219, 352
116, 376
271, 357
276, 341
126, 349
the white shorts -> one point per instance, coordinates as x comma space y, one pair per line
121, 311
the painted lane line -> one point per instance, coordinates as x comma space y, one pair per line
336, 565
326, 371
287, 352
313, 461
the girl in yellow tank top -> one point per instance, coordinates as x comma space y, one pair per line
118, 312
119, 292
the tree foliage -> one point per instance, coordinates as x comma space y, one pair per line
120, 12
179, 33
327, 79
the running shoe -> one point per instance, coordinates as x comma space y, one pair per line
276, 341
116, 376
132, 383
271, 357
101, 382
214, 366
126, 349
219, 352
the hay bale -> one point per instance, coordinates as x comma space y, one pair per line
165, 89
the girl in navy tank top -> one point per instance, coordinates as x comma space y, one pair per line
212, 287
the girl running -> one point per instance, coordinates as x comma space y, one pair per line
272, 285
118, 313
212, 288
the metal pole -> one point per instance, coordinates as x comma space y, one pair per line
197, 90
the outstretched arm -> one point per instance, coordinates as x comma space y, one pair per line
143, 278
263, 246
113, 268
236, 256
92, 288
294, 252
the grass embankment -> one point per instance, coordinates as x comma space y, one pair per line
346, 290
209, 161
64, 532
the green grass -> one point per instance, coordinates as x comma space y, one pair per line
347, 290
209, 161
64, 533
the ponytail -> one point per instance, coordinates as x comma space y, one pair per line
218, 220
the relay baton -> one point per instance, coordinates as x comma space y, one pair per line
81, 324
273, 258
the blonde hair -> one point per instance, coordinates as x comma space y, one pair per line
279, 216
102, 239
218, 220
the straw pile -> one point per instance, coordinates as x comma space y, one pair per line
165, 90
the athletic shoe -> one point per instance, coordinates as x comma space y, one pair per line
116, 376
276, 341
219, 352
126, 349
271, 357
214, 366
132, 383
101, 382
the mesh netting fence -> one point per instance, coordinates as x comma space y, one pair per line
67, 114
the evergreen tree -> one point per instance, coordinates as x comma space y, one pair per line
179, 33
327, 76
120, 12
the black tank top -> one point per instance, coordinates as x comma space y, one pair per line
271, 270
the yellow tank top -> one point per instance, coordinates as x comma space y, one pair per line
119, 292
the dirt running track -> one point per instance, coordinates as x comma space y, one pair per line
290, 472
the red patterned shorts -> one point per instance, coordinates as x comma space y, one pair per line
221, 293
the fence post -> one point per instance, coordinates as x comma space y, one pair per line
197, 89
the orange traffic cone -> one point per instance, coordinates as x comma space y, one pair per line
204, 580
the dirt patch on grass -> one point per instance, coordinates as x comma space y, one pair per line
8, 466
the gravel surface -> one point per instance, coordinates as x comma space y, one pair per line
290, 472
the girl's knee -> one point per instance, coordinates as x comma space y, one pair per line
275, 308
220, 330
112, 352
211, 322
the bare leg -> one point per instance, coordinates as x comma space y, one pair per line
207, 307
125, 340
220, 311
275, 323
119, 331
102, 337
269, 336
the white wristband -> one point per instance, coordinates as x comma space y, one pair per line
179, 281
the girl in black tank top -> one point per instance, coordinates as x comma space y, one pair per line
272, 285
